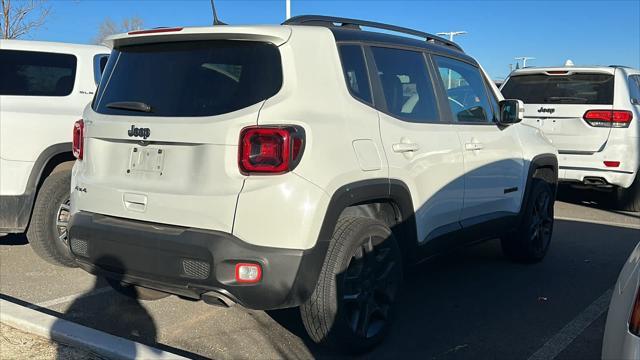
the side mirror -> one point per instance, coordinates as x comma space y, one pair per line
511, 112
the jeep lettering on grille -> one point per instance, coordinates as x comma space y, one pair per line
139, 132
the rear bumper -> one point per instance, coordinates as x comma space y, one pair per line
578, 167
191, 262
585, 175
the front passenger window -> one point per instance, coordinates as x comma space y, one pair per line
465, 91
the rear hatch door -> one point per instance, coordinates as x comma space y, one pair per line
161, 137
556, 100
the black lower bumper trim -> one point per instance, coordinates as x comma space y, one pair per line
15, 212
154, 255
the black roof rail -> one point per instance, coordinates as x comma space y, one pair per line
331, 21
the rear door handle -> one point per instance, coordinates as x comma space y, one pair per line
405, 147
473, 146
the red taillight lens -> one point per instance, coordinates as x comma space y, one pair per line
78, 139
634, 320
270, 150
611, 163
608, 118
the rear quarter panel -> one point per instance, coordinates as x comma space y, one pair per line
315, 97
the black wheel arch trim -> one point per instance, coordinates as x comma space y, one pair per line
23, 216
547, 160
381, 189
41, 162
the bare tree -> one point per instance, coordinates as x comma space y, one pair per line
109, 27
19, 17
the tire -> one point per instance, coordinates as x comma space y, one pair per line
362, 272
629, 199
530, 242
47, 233
136, 292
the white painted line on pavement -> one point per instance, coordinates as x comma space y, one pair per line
67, 332
69, 298
599, 222
572, 330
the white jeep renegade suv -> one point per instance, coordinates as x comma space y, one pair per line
591, 115
299, 165
44, 87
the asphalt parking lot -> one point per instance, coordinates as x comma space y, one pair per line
469, 304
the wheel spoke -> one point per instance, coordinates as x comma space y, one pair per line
364, 317
353, 297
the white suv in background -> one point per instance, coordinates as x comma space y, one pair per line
591, 115
44, 87
299, 165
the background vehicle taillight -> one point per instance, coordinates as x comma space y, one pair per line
634, 320
270, 150
608, 118
78, 139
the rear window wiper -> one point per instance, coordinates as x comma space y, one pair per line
130, 105
566, 99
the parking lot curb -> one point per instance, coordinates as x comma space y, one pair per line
69, 333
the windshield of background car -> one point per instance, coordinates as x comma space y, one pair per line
577, 88
189, 78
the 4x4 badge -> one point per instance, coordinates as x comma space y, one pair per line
543, 110
139, 132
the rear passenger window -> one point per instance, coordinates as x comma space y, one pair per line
406, 84
466, 91
31, 73
355, 72
634, 89
99, 63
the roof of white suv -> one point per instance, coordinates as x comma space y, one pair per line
50, 46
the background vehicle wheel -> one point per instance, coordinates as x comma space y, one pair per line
530, 241
352, 305
47, 231
629, 199
136, 292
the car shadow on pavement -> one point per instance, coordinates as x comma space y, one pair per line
13, 240
474, 303
127, 317
597, 199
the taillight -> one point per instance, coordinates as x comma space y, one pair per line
78, 139
270, 150
608, 118
634, 320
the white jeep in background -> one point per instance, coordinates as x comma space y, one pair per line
591, 115
300, 165
44, 87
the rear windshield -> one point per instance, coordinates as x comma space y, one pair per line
32, 73
191, 78
560, 89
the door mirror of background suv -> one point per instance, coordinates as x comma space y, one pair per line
511, 112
